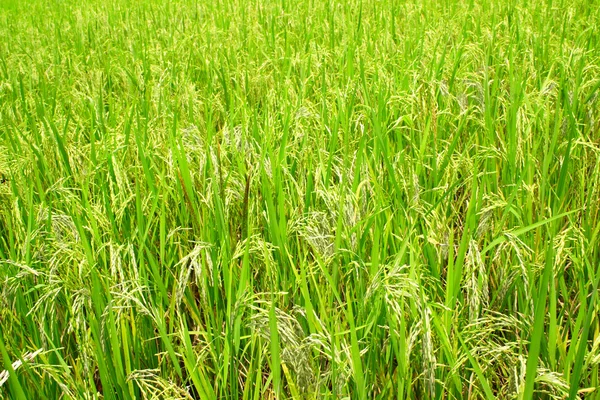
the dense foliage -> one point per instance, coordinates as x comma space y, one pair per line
240, 199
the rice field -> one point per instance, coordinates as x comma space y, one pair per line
320, 199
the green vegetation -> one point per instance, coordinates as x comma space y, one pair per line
239, 199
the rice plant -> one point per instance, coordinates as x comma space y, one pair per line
318, 199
